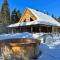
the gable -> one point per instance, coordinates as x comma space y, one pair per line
44, 17
27, 16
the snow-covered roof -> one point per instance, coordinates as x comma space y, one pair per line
30, 23
46, 18
15, 36
50, 51
41, 19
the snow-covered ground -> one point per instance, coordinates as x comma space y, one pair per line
49, 53
15, 36
50, 49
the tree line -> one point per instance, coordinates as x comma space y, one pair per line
7, 17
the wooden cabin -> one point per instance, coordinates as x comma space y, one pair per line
25, 49
39, 22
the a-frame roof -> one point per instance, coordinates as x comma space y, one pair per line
42, 16
41, 19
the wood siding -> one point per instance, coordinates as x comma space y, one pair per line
26, 16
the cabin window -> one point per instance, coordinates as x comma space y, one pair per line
44, 29
23, 29
28, 29
59, 30
25, 20
35, 29
31, 19
49, 29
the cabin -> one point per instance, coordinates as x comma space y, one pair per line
22, 45
19, 48
34, 21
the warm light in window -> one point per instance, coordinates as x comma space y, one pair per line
16, 50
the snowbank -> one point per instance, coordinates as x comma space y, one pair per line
16, 35
50, 53
50, 49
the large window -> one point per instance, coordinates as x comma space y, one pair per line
43, 29
28, 29
35, 29
25, 20
31, 19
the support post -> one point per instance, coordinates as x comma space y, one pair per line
31, 29
12, 30
39, 29
20, 29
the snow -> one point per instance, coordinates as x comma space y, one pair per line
22, 35
44, 17
41, 19
38, 36
51, 50
30, 23
16, 35
49, 53
49, 38
17, 24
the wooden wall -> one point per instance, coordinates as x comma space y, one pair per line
26, 16
56, 29
25, 48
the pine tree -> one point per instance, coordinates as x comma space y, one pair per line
5, 13
5, 17
58, 19
15, 16
18, 14
54, 16
0, 18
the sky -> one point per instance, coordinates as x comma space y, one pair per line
50, 6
